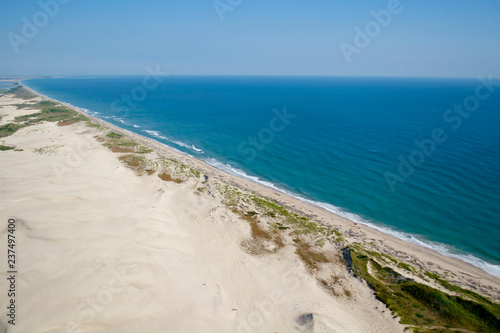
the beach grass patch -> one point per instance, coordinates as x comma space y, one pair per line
200, 190
256, 230
181, 168
328, 286
50, 149
127, 143
143, 150
433, 276
271, 207
26, 117
90, 123
120, 143
67, 122
302, 225
195, 173
4, 148
406, 266
22, 93
25, 105
391, 259
168, 178
52, 114
134, 162
114, 135
117, 149
44, 104
310, 256
36, 105
9, 129
263, 241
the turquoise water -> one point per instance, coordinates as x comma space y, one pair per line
337, 142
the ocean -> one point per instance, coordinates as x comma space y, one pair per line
418, 158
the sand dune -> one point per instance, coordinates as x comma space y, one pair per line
102, 249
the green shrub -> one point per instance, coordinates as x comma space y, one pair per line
114, 135
9, 129
3, 148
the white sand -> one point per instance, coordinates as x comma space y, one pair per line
102, 249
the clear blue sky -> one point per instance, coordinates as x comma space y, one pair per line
449, 38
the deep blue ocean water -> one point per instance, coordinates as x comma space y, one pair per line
400, 154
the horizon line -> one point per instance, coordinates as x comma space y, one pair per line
26, 77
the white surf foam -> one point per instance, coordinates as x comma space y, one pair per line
150, 132
438, 247
159, 135
197, 149
180, 143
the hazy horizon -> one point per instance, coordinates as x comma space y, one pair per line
28, 77
242, 38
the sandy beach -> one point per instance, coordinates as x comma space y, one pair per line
105, 245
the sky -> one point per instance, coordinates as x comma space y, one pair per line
445, 38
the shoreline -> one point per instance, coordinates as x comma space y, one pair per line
128, 250
188, 247
302, 205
